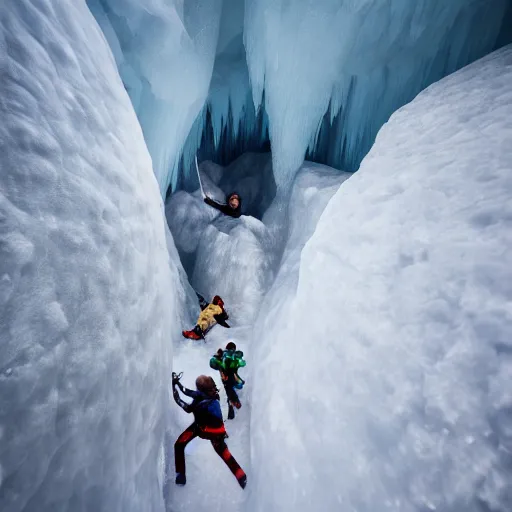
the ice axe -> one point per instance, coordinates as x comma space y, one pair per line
199, 178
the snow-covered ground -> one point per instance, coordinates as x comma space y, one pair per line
87, 290
210, 485
383, 383
231, 259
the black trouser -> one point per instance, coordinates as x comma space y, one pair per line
218, 443
231, 393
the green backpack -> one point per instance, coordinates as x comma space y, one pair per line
230, 361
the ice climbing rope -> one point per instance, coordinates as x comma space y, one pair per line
199, 178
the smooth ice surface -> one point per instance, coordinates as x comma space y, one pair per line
165, 51
354, 60
205, 73
384, 382
87, 290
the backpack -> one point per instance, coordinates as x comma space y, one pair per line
229, 363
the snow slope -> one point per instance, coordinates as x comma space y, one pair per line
389, 388
86, 284
232, 260
210, 485
222, 255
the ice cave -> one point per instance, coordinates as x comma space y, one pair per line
364, 271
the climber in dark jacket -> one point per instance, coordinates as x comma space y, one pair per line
233, 206
208, 424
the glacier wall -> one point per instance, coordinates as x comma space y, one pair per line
165, 51
88, 294
389, 388
357, 61
316, 77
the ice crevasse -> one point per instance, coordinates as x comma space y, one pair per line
316, 76
85, 314
389, 385
389, 388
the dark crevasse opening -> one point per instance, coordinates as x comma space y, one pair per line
220, 78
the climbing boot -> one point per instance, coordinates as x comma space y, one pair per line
195, 334
242, 481
181, 479
235, 404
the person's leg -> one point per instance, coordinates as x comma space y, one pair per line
194, 334
222, 450
179, 452
229, 395
197, 329
203, 324
232, 394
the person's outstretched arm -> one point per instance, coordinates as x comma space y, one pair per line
223, 208
189, 392
221, 319
186, 407
203, 304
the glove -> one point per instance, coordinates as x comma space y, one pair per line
176, 378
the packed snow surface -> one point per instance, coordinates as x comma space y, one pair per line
210, 485
383, 383
232, 260
86, 285
226, 256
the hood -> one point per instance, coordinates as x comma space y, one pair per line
239, 200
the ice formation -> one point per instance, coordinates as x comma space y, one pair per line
328, 73
389, 388
165, 51
380, 359
88, 295
225, 256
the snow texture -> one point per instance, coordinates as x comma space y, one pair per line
86, 284
232, 260
313, 75
383, 381
210, 485
226, 256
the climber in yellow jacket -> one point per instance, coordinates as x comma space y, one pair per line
211, 314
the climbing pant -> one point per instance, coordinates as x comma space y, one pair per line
218, 444
232, 396
229, 385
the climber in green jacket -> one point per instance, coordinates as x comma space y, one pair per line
227, 362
